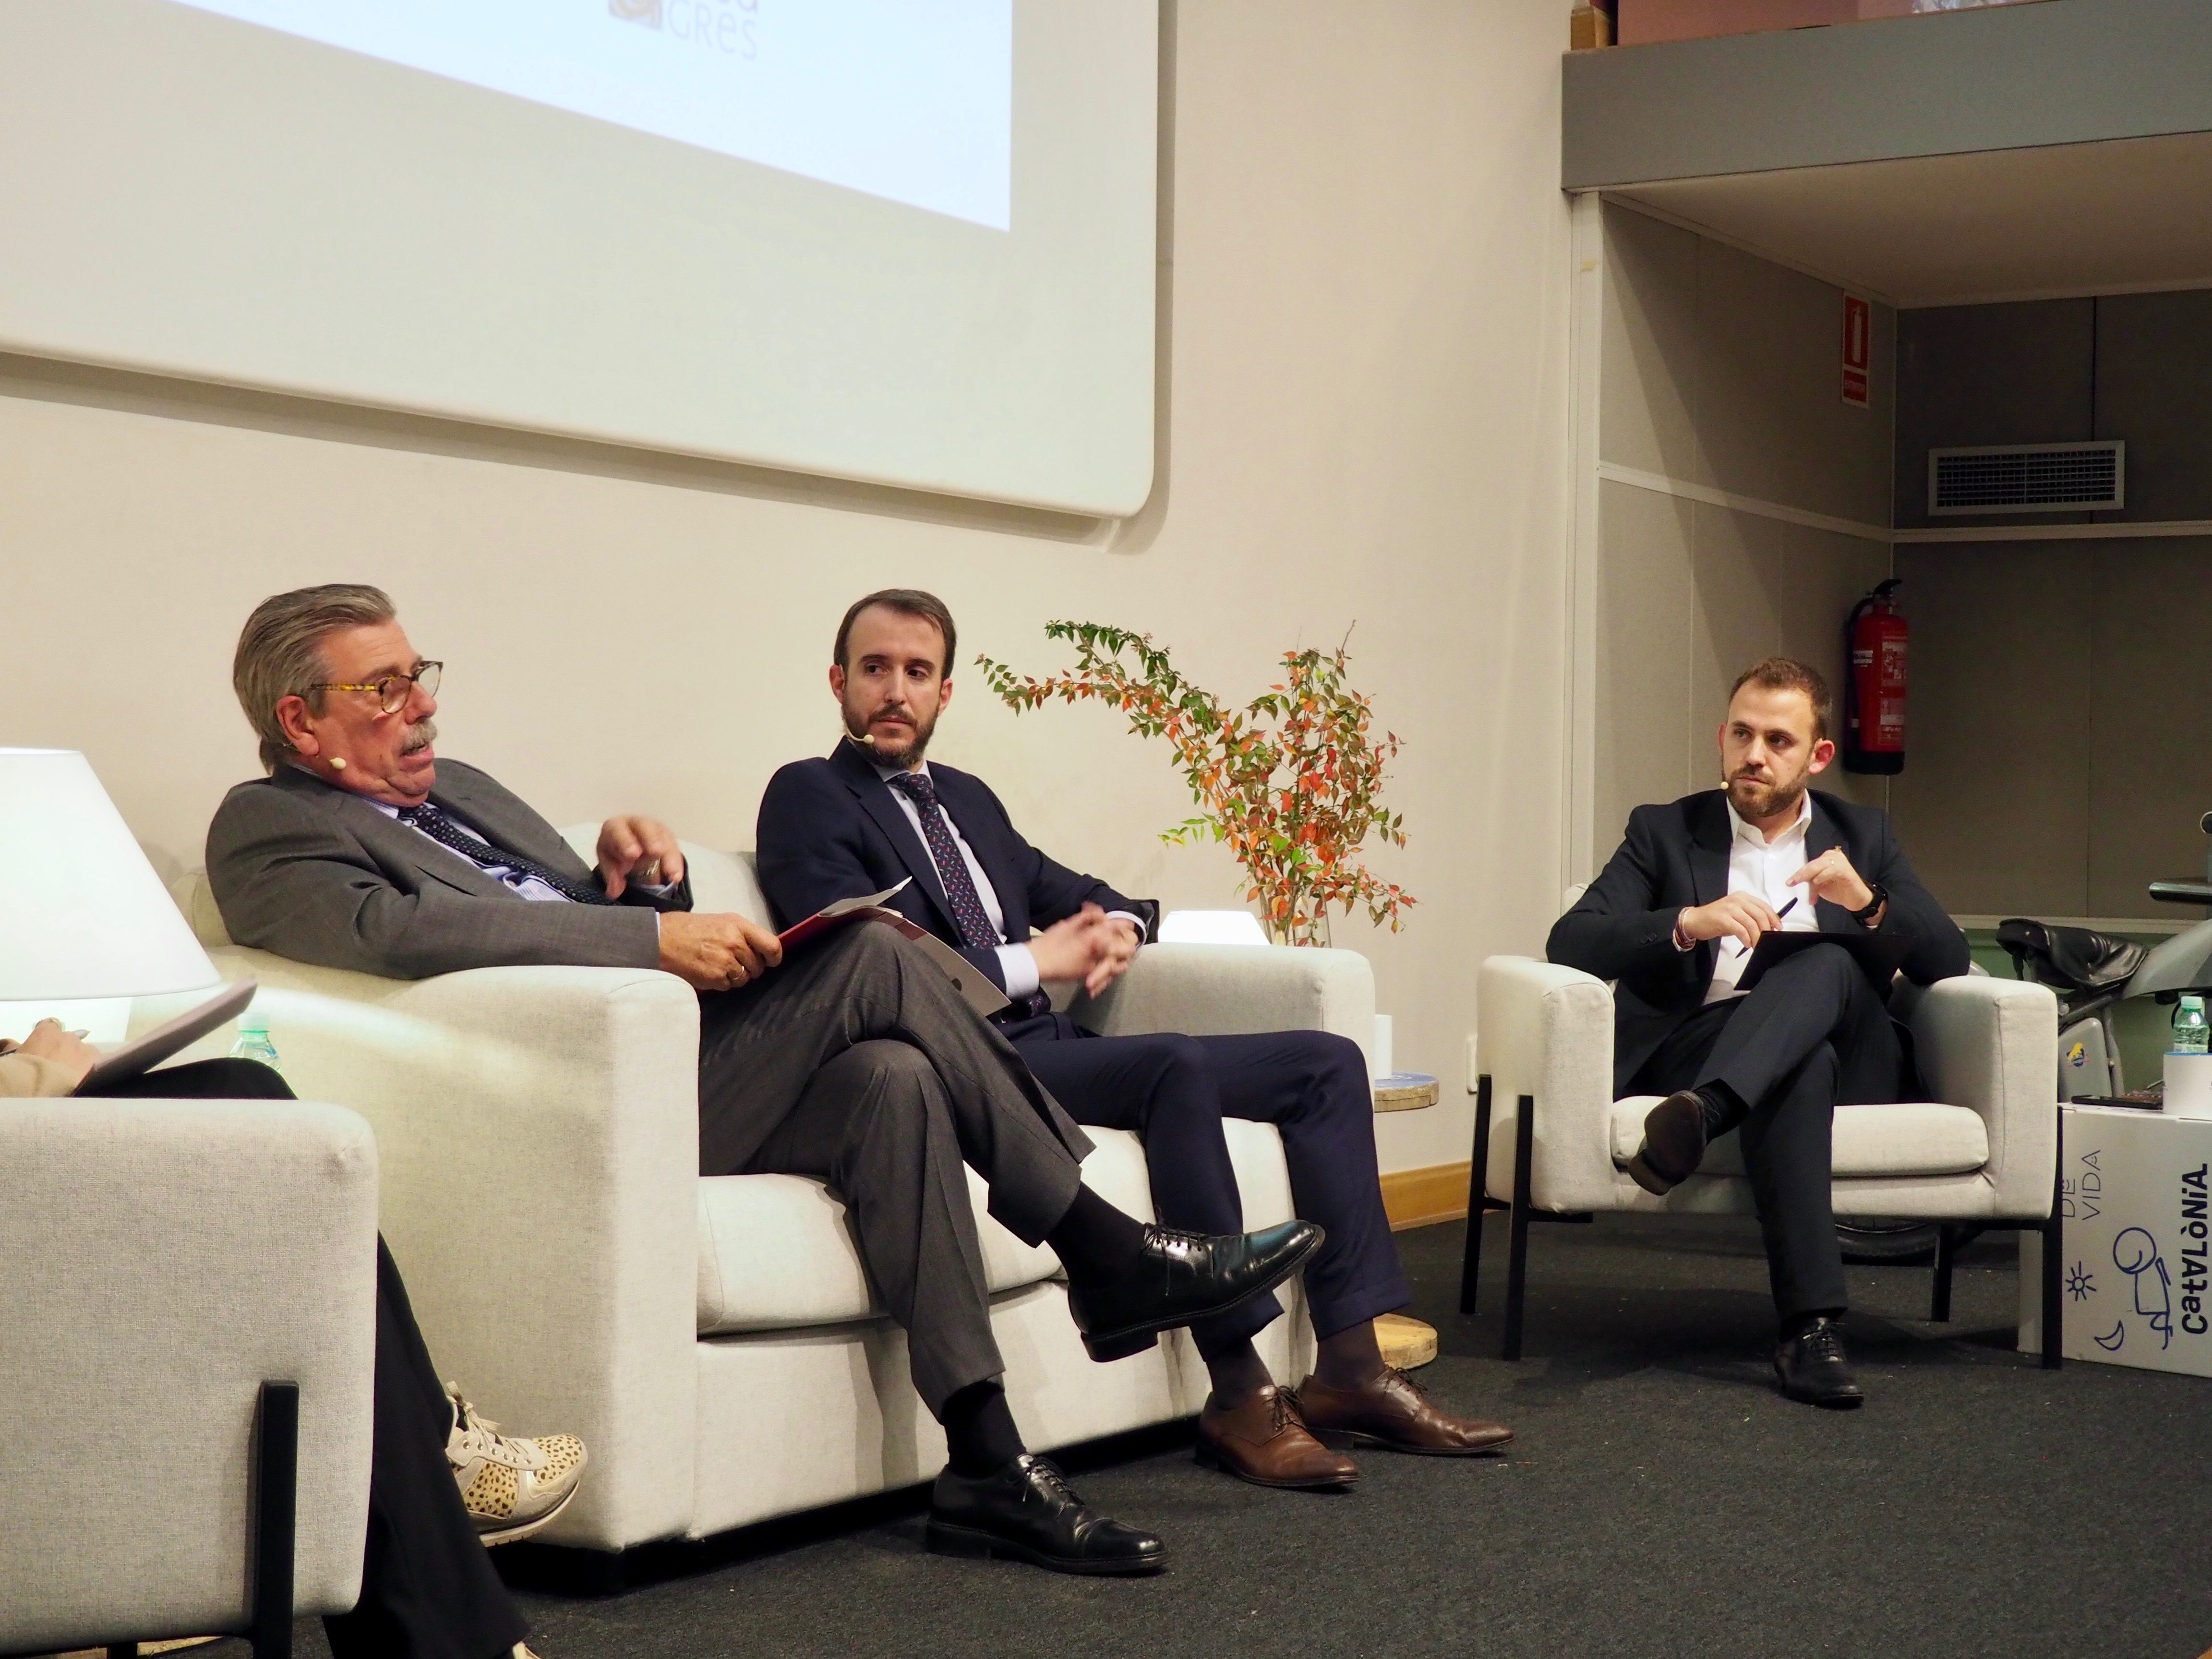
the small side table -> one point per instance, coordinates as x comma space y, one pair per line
1406, 1343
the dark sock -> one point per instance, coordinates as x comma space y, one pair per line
1094, 1240
1351, 1359
1799, 1324
1722, 1111
1238, 1373
979, 1435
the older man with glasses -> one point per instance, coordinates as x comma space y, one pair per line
856, 1061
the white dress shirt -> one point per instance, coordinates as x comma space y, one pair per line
525, 886
1762, 867
1016, 963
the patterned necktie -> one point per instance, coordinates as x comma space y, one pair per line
967, 912
443, 830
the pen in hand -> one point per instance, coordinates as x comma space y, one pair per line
1778, 915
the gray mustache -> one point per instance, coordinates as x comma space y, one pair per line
419, 736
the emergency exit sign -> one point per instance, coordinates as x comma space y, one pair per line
1858, 348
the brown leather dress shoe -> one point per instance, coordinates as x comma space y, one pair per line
1393, 1412
1265, 1441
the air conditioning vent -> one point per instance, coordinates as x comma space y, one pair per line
2027, 479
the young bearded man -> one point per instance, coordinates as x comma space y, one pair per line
875, 813
855, 1061
1674, 919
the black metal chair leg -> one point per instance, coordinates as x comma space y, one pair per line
276, 1503
1471, 1268
1947, 1245
2054, 1246
1516, 1268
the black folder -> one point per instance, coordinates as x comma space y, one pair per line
1880, 955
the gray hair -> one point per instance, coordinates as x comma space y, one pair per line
280, 653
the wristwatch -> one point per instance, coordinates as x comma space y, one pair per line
1865, 916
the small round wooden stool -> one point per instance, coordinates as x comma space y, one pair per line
1405, 1342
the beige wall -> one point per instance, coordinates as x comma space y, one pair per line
1720, 371
1367, 421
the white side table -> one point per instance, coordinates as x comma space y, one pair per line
2136, 1264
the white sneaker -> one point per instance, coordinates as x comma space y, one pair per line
511, 1486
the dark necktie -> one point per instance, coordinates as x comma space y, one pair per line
443, 830
967, 912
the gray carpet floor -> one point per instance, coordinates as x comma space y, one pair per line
1661, 1499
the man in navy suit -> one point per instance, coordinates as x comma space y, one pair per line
1674, 919
875, 813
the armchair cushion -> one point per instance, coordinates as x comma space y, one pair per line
1916, 1138
774, 1254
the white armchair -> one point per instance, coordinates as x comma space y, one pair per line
715, 1341
187, 1313
1551, 1140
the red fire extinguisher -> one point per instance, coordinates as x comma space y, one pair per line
1874, 689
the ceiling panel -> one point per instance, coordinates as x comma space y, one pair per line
2126, 215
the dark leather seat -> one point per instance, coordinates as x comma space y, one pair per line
2069, 958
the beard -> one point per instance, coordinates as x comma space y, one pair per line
419, 736
890, 750
1757, 801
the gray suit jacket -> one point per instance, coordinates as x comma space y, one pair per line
319, 875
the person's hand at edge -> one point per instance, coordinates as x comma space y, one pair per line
645, 848
1118, 943
1073, 946
1830, 877
48, 1041
716, 952
1742, 917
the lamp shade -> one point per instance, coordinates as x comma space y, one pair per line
82, 912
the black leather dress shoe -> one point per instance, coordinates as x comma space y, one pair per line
1812, 1366
1027, 1511
1181, 1276
1673, 1144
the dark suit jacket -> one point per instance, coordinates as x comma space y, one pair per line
1677, 856
318, 874
828, 829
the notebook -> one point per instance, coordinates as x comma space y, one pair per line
134, 1058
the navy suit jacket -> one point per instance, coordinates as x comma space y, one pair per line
1677, 856
828, 829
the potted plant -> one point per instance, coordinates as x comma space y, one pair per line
1291, 781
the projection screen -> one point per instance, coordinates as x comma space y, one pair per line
909, 242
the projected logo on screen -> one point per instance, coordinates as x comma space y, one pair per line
907, 100
724, 25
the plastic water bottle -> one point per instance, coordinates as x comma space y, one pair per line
253, 1042
2191, 1035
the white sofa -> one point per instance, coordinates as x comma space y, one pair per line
161, 1261
715, 1341
1552, 1140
